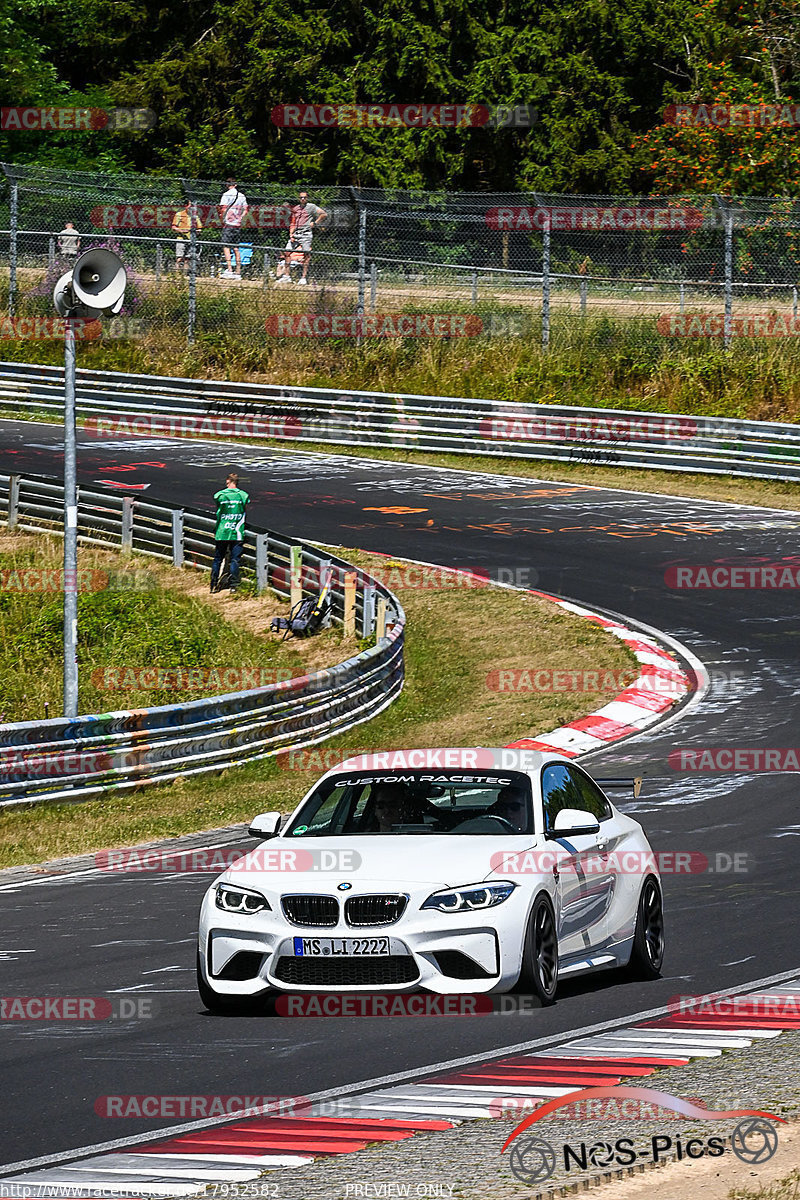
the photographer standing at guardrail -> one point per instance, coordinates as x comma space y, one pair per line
229, 533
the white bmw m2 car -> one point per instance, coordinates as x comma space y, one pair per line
449, 870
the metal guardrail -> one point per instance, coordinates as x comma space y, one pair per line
77, 758
114, 404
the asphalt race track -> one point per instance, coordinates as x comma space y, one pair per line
133, 935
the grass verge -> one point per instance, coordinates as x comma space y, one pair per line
455, 638
136, 616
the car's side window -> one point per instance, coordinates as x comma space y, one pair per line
592, 799
559, 790
568, 787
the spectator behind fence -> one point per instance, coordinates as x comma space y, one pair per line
304, 219
182, 227
232, 208
69, 241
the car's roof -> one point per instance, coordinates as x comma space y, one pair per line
449, 758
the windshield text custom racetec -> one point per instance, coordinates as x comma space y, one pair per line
371, 803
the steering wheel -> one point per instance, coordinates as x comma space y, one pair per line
504, 822
469, 825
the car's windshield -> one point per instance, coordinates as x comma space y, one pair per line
416, 802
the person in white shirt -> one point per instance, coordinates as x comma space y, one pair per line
232, 208
69, 242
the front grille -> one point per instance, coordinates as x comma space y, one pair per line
347, 972
311, 910
374, 910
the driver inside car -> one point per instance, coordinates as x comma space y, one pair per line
391, 805
512, 806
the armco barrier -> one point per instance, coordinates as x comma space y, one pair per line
77, 758
113, 404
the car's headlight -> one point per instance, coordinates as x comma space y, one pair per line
471, 897
238, 899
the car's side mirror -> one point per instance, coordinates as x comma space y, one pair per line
572, 821
266, 825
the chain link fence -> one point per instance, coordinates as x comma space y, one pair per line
404, 264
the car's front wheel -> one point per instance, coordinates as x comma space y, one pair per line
225, 1006
647, 955
539, 973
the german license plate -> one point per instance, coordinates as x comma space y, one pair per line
315, 947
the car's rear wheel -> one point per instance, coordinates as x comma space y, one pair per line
647, 955
226, 1006
539, 974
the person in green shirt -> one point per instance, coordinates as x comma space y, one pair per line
229, 533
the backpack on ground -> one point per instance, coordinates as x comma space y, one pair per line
306, 617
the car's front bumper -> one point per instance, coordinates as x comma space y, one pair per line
438, 952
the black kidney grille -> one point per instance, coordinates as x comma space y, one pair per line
346, 972
311, 910
374, 910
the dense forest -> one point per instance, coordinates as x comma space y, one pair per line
600, 75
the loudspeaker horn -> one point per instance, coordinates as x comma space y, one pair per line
98, 280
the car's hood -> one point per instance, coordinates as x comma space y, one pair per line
319, 864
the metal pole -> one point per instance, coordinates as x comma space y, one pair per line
51, 254
362, 254
683, 297
159, 261
192, 272
546, 286
474, 287
373, 286
728, 277
70, 529
12, 249
794, 303
584, 291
